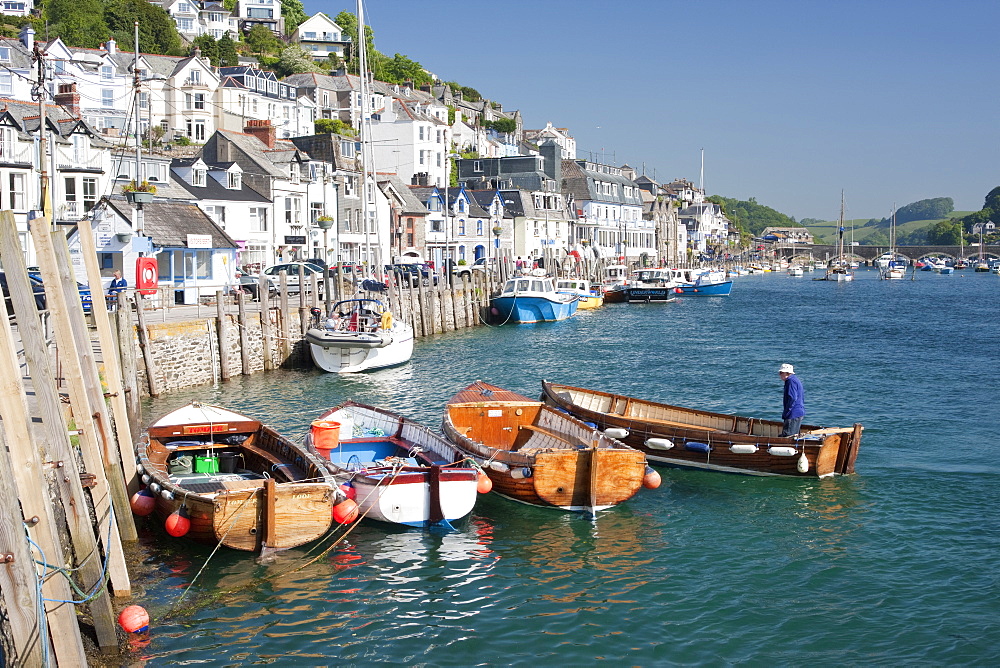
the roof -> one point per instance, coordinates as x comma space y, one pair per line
411, 203
168, 223
213, 190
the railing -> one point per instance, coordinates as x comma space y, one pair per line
17, 154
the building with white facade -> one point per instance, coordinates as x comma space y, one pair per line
322, 37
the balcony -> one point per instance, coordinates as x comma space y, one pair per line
13, 154
66, 161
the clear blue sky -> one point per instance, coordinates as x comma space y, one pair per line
792, 100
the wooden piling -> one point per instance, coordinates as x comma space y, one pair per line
126, 349
222, 330
426, 312
152, 373
283, 326
244, 339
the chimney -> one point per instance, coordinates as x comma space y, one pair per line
427, 88
28, 37
197, 52
111, 47
70, 99
262, 130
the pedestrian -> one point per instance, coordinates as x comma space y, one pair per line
794, 401
118, 284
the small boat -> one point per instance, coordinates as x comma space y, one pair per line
616, 294
702, 282
796, 270
614, 275
538, 455
236, 481
401, 471
650, 285
690, 438
358, 335
840, 269
585, 296
527, 299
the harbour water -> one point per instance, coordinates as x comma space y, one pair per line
896, 565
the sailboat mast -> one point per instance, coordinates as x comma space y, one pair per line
367, 158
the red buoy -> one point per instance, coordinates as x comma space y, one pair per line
349, 491
483, 484
345, 512
178, 522
134, 619
143, 503
651, 480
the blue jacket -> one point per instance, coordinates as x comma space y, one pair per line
795, 396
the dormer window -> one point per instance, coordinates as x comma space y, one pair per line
107, 73
4, 54
293, 172
198, 176
235, 181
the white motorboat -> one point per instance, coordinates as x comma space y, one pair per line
358, 335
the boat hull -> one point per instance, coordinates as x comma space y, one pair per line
721, 289
635, 295
539, 456
339, 352
688, 438
529, 309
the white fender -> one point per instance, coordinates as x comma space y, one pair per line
803, 464
782, 451
616, 432
167, 494
499, 466
659, 443
154, 488
743, 448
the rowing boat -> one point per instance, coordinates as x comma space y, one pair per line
690, 438
538, 455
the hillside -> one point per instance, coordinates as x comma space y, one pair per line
826, 233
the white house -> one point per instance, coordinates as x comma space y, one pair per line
267, 13
322, 37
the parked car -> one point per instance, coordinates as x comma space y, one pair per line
36, 288
251, 285
411, 273
482, 265
292, 271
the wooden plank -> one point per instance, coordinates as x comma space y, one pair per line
99, 456
129, 368
152, 373
222, 330
62, 618
264, 291
244, 338
270, 519
283, 327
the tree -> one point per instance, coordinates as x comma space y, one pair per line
228, 55
751, 217
296, 60
209, 48
402, 69
944, 233
262, 40
157, 31
325, 126
294, 14
506, 125
78, 22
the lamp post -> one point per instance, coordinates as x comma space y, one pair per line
325, 223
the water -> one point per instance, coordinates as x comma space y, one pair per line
895, 566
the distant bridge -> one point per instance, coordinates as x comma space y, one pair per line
869, 253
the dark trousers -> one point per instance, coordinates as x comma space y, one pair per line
790, 427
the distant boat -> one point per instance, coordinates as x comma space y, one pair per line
690, 438
585, 296
650, 285
237, 481
540, 456
796, 270
840, 269
401, 471
528, 299
701, 282
359, 335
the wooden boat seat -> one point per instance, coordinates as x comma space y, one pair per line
683, 425
567, 443
280, 469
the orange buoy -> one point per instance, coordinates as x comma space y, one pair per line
142, 503
345, 512
483, 484
651, 480
178, 522
349, 491
134, 619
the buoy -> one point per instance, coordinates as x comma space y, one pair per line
349, 491
134, 619
145, 478
178, 522
651, 480
743, 448
345, 512
167, 494
154, 488
616, 432
483, 484
659, 443
803, 464
519, 472
781, 451
142, 503
494, 311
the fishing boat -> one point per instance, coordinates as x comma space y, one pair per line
796, 270
586, 297
615, 275
650, 285
690, 438
358, 335
221, 477
540, 456
400, 471
527, 299
701, 282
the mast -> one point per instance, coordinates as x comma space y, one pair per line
367, 158
841, 249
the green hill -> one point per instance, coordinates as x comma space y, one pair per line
826, 233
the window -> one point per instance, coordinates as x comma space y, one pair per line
69, 193
107, 73
461, 206
7, 140
315, 211
258, 219
198, 176
144, 100
477, 165
310, 34
89, 192
107, 97
235, 180
80, 146
197, 264
293, 172
4, 53
347, 149
461, 227
194, 76
293, 207
17, 191
199, 100
185, 25
199, 130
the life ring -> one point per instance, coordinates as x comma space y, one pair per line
387, 320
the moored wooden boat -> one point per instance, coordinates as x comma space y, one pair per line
690, 438
538, 455
238, 481
401, 471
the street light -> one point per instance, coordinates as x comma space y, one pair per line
325, 223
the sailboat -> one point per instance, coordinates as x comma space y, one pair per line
361, 334
841, 270
960, 262
889, 266
981, 264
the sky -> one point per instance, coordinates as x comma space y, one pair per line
792, 101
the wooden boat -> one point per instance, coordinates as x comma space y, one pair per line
401, 471
538, 455
690, 438
239, 482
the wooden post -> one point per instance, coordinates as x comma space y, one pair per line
223, 332
130, 377
286, 343
426, 313
54, 433
453, 288
99, 456
338, 282
147, 351
413, 311
244, 339
442, 304
467, 313
112, 368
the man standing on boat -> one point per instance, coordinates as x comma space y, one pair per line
795, 407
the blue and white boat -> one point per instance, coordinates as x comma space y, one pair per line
526, 299
701, 283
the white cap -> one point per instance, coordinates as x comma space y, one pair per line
786, 368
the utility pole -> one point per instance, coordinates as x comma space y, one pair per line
45, 202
